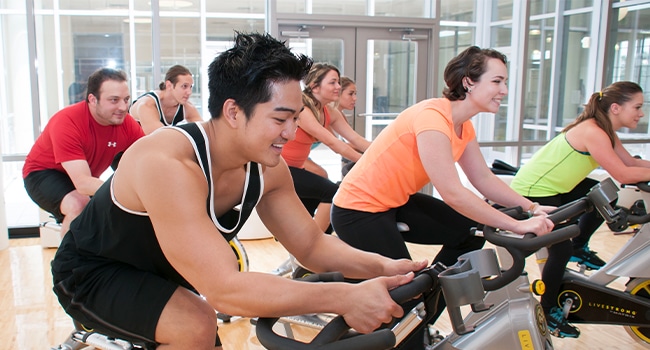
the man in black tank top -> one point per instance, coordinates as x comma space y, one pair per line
155, 235
169, 105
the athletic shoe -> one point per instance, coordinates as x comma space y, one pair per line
558, 325
587, 257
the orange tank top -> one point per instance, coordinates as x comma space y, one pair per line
296, 151
391, 169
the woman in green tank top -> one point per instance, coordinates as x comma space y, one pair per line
557, 174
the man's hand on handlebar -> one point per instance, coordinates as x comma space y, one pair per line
370, 305
403, 266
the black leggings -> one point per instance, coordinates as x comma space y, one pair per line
430, 221
312, 189
560, 253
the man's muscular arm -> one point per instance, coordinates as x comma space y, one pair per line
79, 173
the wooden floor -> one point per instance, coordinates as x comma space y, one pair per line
32, 318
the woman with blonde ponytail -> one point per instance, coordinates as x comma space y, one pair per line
316, 124
557, 174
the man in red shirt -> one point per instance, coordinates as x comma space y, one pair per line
78, 144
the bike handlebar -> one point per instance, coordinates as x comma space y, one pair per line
619, 220
327, 339
638, 219
643, 186
337, 334
520, 247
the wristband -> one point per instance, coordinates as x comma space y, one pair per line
531, 210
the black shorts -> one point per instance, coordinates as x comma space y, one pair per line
113, 298
47, 189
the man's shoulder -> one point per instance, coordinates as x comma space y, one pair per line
70, 114
130, 121
73, 109
145, 104
148, 98
276, 176
132, 126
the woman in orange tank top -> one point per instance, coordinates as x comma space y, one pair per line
317, 124
423, 145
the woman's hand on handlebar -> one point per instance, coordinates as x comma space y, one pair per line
370, 305
544, 209
539, 225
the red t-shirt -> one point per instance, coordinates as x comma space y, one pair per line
73, 134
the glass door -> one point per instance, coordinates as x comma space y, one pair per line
389, 66
393, 66
333, 45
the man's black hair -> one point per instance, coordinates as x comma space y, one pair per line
247, 71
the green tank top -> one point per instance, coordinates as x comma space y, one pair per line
556, 168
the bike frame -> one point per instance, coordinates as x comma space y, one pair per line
515, 319
592, 301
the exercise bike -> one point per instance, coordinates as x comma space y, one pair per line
506, 317
589, 298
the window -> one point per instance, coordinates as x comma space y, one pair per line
629, 52
387, 8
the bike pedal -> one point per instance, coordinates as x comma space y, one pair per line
224, 317
584, 267
434, 336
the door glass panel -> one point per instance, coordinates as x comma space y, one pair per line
320, 50
385, 72
329, 7
390, 87
324, 50
404, 8
388, 8
249, 6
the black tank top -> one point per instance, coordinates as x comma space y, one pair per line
106, 231
178, 117
231, 222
